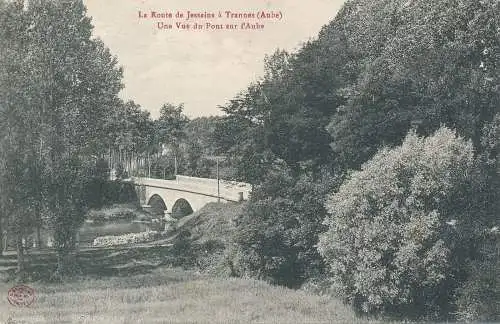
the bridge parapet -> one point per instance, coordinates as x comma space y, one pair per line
232, 186
228, 190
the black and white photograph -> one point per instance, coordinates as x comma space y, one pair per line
250, 161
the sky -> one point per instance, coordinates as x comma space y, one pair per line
202, 69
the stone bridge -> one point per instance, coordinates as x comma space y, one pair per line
185, 195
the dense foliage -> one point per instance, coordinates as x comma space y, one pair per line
421, 64
56, 85
400, 229
277, 232
63, 127
375, 72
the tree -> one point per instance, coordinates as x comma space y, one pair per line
278, 118
277, 231
275, 135
478, 298
425, 65
130, 135
199, 145
59, 87
401, 229
17, 129
79, 81
170, 127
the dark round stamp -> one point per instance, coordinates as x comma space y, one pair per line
21, 295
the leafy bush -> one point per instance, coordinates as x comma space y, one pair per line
277, 232
102, 192
204, 237
319, 285
400, 229
203, 256
113, 213
479, 298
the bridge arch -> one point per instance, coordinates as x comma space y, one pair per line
181, 208
157, 204
187, 193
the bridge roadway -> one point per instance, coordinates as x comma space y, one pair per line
196, 192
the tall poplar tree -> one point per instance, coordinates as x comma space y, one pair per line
57, 86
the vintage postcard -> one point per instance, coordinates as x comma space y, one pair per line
249, 161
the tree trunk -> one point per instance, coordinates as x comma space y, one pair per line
175, 164
38, 237
110, 160
20, 253
77, 241
1, 238
125, 162
149, 166
61, 261
66, 257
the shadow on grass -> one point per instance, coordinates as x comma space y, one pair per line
9, 260
119, 262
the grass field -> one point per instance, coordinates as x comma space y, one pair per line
168, 295
141, 284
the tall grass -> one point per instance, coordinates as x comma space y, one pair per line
173, 296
